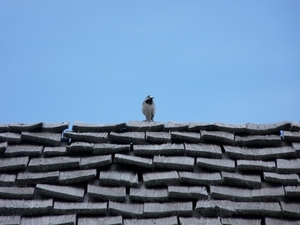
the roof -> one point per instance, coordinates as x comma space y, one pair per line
150, 173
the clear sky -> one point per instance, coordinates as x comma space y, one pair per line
96, 61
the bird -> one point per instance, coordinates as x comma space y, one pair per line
148, 108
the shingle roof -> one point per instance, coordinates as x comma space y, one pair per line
150, 173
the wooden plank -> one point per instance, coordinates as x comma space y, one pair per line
118, 178
53, 220
49, 139
23, 150
52, 164
188, 137
161, 178
174, 162
132, 210
86, 127
205, 179
29, 178
168, 209
62, 192
162, 149
25, 207
144, 126
80, 208
216, 164
203, 150
133, 160
76, 176
148, 194
241, 180
117, 194
158, 137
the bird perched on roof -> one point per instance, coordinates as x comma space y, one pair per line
148, 108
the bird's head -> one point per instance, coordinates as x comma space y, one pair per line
149, 99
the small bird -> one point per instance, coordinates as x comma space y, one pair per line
148, 108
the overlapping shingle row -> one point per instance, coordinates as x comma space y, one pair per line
150, 173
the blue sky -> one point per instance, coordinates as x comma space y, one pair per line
96, 61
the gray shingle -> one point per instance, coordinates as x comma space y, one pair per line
148, 194
103, 148
288, 165
55, 151
90, 162
20, 127
119, 178
232, 128
295, 126
16, 163
271, 209
7, 180
62, 192
3, 127
158, 137
127, 138
87, 136
238, 221
117, 194
80, 208
161, 178
50, 139
3, 146
183, 192
133, 160
76, 176
216, 164
17, 192
296, 147
258, 140
292, 191
200, 178
243, 194
168, 209
23, 150
55, 127
47, 220
126, 210
285, 179
175, 126
189, 137
200, 221
256, 165
242, 180
195, 126
291, 136
217, 136
10, 220
109, 220
25, 207
10, 137
85, 127
144, 126
259, 153
163, 221
291, 210
223, 208
52, 164
274, 221
262, 129
162, 149
29, 178
203, 150
80, 147
174, 162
